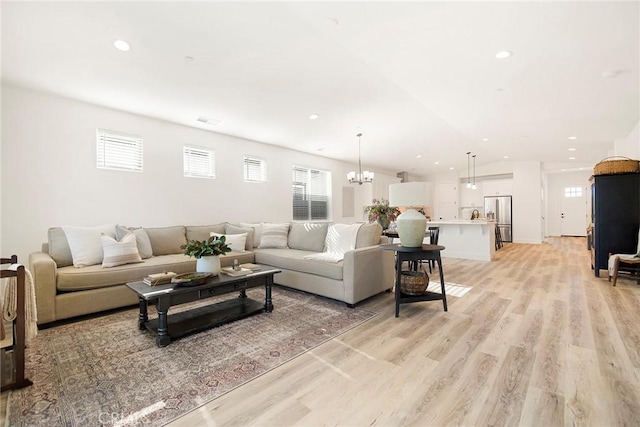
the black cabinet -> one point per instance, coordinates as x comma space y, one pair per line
616, 217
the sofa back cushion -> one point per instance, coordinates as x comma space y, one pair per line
308, 236
203, 232
59, 248
368, 235
167, 240
257, 231
237, 229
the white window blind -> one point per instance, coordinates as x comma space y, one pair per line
255, 169
118, 151
199, 162
311, 193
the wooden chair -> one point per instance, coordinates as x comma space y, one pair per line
625, 265
19, 326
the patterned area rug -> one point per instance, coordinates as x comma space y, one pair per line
105, 372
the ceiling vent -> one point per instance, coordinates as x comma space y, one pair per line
208, 121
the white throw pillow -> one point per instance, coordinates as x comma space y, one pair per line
236, 242
118, 253
85, 243
274, 236
341, 238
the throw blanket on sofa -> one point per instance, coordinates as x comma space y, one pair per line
10, 303
612, 258
341, 238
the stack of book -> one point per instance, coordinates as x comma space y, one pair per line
159, 278
250, 266
235, 273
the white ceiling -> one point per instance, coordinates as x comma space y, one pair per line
416, 78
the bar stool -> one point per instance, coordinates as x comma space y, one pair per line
498, 238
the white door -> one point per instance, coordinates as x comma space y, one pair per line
573, 211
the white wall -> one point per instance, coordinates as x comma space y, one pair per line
49, 174
629, 146
527, 202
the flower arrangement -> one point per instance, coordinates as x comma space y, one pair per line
381, 211
213, 246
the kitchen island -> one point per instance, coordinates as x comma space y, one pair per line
466, 239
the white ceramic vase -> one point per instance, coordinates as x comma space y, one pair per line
208, 264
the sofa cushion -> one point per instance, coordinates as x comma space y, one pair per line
368, 235
94, 276
274, 236
308, 236
85, 243
203, 232
120, 252
236, 229
167, 240
236, 242
293, 259
59, 248
142, 239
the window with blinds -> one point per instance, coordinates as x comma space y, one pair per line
255, 169
118, 151
311, 194
199, 162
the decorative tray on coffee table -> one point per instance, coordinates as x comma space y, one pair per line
190, 279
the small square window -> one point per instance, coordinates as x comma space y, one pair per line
255, 169
573, 192
199, 162
118, 151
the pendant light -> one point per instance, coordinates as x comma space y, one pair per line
468, 170
359, 177
473, 186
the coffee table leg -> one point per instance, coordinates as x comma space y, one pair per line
268, 304
143, 317
163, 339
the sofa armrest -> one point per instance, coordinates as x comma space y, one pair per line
44, 271
367, 272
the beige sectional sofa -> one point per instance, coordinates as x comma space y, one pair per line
64, 291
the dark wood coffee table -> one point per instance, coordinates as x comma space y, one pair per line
168, 327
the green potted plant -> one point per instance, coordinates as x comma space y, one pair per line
207, 253
381, 212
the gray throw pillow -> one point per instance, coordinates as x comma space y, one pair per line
368, 235
236, 229
308, 236
59, 249
274, 236
167, 240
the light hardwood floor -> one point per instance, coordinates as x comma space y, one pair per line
538, 341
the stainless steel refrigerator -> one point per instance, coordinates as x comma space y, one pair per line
499, 208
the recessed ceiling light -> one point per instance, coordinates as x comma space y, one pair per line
573, 137
572, 149
572, 158
504, 54
451, 168
437, 163
121, 45
485, 139
505, 157
419, 156
314, 116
